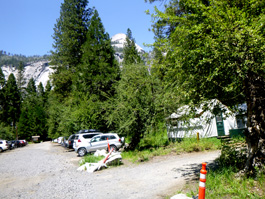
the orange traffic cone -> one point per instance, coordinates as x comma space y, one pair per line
203, 173
108, 144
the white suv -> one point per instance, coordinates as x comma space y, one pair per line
3, 145
101, 142
82, 140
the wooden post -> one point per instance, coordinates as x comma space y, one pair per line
198, 136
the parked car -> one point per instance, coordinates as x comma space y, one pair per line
22, 142
14, 142
64, 142
11, 145
101, 142
59, 140
3, 145
19, 143
55, 140
71, 141
82, 140
25, 142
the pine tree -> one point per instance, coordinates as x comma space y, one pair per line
21, 81
130, 53
40, 90
31, 87
33, 116
12, 102
48, 86
99, 68
69, 35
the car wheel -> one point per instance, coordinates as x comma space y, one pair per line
1, 150
81, 152
113, 147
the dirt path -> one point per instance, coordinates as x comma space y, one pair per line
46, 170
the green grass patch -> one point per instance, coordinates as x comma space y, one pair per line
90, 158
193, 145
186, 145
227, 183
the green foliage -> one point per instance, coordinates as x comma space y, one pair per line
31, 87
16, 60
33, 116
90, 158
187, 145
130, 52
214, 50
234, 154
192, 144
20, 75
55, 110
155, 138
227, 183
6, 132
132, 110
70, 33
11, 103
69, 36
98, 69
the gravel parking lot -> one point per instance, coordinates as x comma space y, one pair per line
47, 170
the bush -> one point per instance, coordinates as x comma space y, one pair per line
233, 154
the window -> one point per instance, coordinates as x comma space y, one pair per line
95, 139
241, 121
112, 137
104, 137
88, 136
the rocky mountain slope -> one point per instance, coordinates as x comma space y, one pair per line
41, 70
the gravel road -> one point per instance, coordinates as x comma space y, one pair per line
47, 170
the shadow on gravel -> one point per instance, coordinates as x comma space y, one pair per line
191, 172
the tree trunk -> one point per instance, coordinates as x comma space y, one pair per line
255, 133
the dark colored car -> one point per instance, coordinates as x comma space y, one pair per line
71, 141
11, 145
22, 142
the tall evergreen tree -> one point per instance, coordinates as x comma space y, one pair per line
99, 68
130, 53
31, 87
12, 102
33, 118
48, 86
69, 35
21, 81
40, 90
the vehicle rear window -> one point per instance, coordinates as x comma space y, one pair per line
88, 136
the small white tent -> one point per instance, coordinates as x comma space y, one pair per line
204, 122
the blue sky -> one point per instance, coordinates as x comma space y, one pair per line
26, 26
